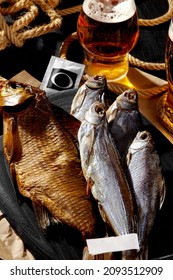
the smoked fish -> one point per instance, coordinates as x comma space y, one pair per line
148, 183
44, 160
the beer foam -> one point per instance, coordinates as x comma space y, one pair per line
170, 31
109, 11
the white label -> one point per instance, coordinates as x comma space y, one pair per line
106, 11
61, 76
113, 244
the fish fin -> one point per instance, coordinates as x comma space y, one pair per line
78, 100
163, 193
44, 218
128, 158
103, 215
143, 253
89, 185
88, 256
8, 132
131, 255
112, 112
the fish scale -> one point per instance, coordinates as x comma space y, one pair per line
148, 184
46, 166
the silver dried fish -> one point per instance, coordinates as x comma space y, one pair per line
148, 183
124, 120
104, 173
92, 90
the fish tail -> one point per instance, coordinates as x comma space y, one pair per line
43, 217
88, 256
144, 253
131, 255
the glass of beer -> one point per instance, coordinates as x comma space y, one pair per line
107, 30
169, 72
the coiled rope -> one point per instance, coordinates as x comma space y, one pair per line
20, 29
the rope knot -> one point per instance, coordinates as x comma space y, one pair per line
16, 19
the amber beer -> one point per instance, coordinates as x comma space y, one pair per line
169, 64
108, 30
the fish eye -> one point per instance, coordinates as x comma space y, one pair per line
14, 85
144, 136
99, 110
100, 78
130, 94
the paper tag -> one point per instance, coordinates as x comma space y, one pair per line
61, 76
113, 244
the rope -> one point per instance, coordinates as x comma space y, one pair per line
20, 30
145, 65
158, 20
143, 93
75, 9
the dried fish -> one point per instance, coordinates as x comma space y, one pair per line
94, 89
148, 182
44, 161
103, 171
124, 120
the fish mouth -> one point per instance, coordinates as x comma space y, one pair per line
131, 95
100, 109
96, 113
19, 108
144, 135
13, 94
15, 97
96, 82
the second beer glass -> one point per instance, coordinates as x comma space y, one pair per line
169, 71
108, 30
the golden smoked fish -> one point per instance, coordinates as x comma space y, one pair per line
103, 171
148, 183
43, 159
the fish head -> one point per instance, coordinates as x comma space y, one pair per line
128, 100
96, 114
142, 140
13, 93
96, 82
94, 87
